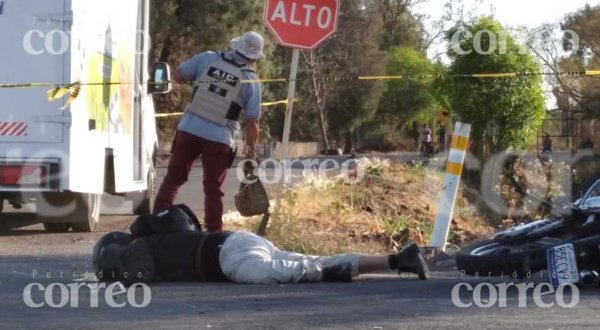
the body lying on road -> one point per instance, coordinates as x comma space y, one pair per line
169, 247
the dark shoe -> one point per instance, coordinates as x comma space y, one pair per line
410, 260
338, 273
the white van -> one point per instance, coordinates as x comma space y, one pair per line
105, 141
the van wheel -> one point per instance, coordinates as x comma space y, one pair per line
56, 227
143, 202
78, 210
90, 211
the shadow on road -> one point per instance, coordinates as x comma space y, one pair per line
11, 221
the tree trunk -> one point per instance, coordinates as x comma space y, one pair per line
319, 92
323, 127
348, 145
165, 52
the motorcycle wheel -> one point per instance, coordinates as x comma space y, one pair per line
493, 258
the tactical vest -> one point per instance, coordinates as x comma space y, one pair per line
217, 91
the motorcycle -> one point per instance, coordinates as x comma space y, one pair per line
568, 247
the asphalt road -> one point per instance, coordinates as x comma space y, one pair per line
381, 301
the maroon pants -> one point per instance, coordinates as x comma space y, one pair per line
215, 160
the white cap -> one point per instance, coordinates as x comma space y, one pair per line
250, 44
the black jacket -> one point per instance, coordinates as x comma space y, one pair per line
182, 256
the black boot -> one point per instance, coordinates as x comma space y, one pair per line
338, 273
410, 260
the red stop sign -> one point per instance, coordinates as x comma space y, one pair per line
301, 23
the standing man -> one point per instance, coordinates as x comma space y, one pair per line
425, 139
547, 144
211, 119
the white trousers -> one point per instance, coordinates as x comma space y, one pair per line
248, 258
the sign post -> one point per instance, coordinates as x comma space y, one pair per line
290, 104
298, 24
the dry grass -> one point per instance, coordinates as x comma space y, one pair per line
378, 214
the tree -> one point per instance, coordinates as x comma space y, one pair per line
329, 105
503, 112
354, 51
584, 24
181, 28
576, 49
187, 26
409, 95
400, 26
318, 90
406, 100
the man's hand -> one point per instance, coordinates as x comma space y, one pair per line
251, 129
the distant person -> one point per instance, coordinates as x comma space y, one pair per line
547, 144
171, 246
442, 138
425, 139
211, 120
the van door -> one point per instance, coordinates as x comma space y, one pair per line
140, 46
35, 44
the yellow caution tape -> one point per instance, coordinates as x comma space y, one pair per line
273, 80
268, 104
74, 93
381, 78
264, 104
495, 75
58, 92
264, 80
163, 115
29, 85
74, 88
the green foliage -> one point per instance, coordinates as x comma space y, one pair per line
182, 28
406, 97
343, 110
400, 26
585, 92
406, 101
503, 112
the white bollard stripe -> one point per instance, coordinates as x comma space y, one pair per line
456, 157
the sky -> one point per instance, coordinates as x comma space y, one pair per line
530, 13
510, 13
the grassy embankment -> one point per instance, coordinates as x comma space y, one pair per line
391, 205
